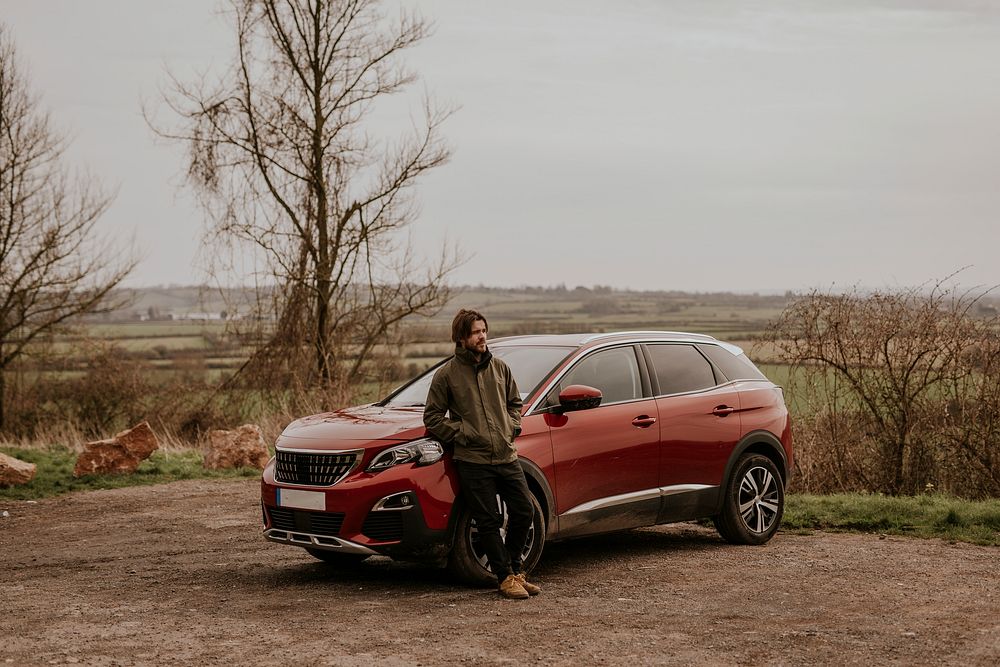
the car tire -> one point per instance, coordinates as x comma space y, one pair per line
755, 487
337, 559
467, 562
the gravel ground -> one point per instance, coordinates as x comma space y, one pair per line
179, 573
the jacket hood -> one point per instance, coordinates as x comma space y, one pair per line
357, 425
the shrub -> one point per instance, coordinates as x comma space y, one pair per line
898, 390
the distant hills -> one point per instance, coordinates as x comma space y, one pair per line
193, 302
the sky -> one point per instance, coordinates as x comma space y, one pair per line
648, 144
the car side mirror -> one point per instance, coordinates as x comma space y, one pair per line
578, 397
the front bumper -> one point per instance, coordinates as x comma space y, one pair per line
402, 512
324, 542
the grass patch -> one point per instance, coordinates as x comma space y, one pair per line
927, 516
54, 475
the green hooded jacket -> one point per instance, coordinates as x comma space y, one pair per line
475, 407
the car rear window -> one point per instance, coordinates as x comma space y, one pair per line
734, 366
680, 368
530, 365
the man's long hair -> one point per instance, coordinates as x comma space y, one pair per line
461, 326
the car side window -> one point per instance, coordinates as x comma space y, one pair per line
615, 372
735, 367
680, 368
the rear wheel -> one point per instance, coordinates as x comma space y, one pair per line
754, 502
467, 559
336, 558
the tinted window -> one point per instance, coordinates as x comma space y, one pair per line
735, 366
530, 365
680, 368
615, 372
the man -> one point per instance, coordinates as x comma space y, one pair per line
474, 406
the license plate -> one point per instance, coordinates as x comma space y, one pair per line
303, 500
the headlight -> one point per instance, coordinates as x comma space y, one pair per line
422, 452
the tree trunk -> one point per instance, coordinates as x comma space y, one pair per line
3, 392
322, 334
899, 461
324, 267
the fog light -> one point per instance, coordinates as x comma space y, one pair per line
397, 501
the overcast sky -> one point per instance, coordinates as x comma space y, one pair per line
653, 144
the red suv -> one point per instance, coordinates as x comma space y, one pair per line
619, 430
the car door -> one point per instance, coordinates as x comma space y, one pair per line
762, 404
699, 425
606, 458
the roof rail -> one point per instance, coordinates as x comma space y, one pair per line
506, 338
679, 334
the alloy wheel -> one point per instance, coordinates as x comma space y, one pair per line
758, 499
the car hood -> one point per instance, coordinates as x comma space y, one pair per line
358, 425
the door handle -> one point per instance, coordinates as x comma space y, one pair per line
643, 421
723, 410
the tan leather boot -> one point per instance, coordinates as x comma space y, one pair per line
527, 585
512, 588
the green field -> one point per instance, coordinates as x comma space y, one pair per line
106, 375
213, 346
927, 516
128, 330
188, 359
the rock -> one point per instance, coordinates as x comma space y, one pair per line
120, 454
234, 449
15, 471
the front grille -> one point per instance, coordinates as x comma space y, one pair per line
314, 523
384, 526
310, 469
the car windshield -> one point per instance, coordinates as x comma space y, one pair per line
530, 365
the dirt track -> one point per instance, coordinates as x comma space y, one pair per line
179, 573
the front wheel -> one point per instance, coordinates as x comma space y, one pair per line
467, 560
754, 502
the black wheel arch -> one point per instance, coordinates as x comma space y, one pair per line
539, 487
756, 442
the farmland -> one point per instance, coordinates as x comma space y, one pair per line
198, 333
165, 356
169, 329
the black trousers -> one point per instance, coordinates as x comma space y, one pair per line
481, 483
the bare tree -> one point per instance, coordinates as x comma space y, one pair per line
895, 390
280, 155
53, 267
